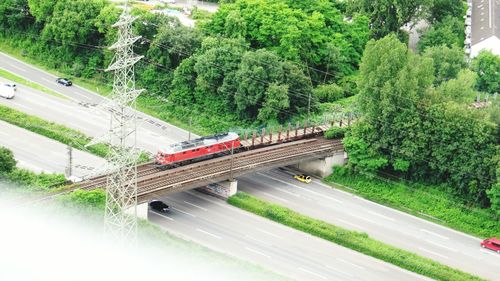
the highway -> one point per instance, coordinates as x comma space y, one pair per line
41, 154
217, 225
355, 213
385, 224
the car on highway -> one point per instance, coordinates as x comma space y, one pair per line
303, 178
492, 244
64, 81
11, 85
159, 206
7, 92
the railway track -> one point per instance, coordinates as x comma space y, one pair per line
152, 179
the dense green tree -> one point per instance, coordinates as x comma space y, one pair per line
449, 32
7, 161
487, 67
276, 100
14, 14
389, 16
447, 62
42, 9
298, 32
328, 92
441, 9
410, 128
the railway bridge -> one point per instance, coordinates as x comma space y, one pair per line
259, 153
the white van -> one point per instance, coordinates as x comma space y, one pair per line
7, 91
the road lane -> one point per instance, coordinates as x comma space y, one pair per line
388, 225
286, 251
41, 154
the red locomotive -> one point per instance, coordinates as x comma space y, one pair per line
187, 151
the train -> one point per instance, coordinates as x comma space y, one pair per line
197, 149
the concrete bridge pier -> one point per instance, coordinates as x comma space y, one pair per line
142, 211
322, 167
223, 189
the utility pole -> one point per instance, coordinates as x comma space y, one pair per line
69, 168
121, 185
231, 164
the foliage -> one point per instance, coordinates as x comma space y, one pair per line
420, 200
447, 62
441, 9
36, 182
7, 161
389, 16
418, 132
487, 66
318, 37
328, 92
335, 132
86, 199
351, 239
449, 32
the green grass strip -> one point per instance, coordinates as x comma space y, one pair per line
52, 130
350, 239
12, 77
429, 202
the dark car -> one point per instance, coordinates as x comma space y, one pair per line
64, 81
159, 206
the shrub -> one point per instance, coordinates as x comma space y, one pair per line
335, 133
329, 92
7, 161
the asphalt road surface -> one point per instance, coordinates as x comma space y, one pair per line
393, 227
40, 154
216, 224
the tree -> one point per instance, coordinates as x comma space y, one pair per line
444, 8
449, 32
276, 100
487, 67
7, 161
42, 9
328, 92
460, 89
14, 14
389, 16
447, 62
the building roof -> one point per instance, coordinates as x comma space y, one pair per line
485, 23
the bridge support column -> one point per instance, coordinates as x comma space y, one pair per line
224, 189
322, 167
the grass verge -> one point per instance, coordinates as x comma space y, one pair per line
10, 76
51, 130
351, 239
428, 202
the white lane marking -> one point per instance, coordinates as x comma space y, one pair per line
208, 233
184, 212
18, 68
380, 215
287, 192
435, 234
490, 11
275, 197
350, 263
339, 271
257, 252
312, 273
351, 224
196, 206
257, 240
24, 106
440, 245
302, 188
361, 218
489, 252
434, 253
47, 80
161, 215
269, 233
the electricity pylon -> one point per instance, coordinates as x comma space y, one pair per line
121, 187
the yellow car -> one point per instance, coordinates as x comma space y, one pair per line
303, 178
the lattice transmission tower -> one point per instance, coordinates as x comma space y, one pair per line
121, 189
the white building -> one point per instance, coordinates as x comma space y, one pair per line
484, 26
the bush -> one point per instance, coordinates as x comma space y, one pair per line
7, 161
329, 93
351, 239
36, 182
335, 133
